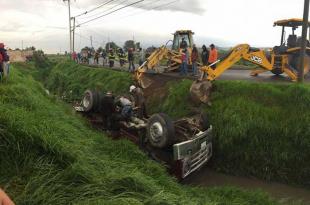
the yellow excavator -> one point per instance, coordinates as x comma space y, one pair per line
280, 59
181, 39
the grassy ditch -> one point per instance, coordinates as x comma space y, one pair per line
261, 130
49, 155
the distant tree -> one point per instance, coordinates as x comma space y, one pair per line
100, 49
31, 48
111, 45
129, 44
138, 45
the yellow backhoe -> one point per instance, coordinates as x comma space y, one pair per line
284, 58
281, 59
181, 39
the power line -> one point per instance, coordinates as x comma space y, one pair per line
152, 8
93, 9
107, 9
110, 12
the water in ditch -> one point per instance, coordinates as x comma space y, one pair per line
284, 193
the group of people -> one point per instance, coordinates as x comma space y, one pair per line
110, 57
208, 57
4, 62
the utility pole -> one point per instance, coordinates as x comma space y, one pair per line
70, 36
304, 41
91, 41
73, 35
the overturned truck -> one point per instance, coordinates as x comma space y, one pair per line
183, 145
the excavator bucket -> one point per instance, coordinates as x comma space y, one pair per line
200, 91
144, 81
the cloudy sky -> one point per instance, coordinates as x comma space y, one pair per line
44, 23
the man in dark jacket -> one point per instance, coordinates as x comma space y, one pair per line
131, 60
194, 59
205, 55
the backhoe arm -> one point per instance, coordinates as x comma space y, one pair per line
242, 51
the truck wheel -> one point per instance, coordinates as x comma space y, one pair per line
204, 121
91, 100
160, 131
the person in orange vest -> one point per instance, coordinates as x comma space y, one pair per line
213, 55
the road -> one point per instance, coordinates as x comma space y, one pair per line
234, 74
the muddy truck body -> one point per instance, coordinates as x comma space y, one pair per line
183, 145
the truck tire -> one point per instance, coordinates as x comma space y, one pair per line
91, 100
204, 121
160, 131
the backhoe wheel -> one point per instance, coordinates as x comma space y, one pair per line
277, 71
91, 101
204, 121
160, 131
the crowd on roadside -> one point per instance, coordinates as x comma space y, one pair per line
4, 62
130, 56
209, 57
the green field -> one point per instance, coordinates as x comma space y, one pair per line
50, 155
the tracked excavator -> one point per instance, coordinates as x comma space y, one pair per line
280, 59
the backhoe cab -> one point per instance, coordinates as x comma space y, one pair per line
178, 36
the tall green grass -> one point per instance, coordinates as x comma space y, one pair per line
261, 130
50, 155
71, 80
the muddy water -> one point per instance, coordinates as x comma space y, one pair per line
209, 178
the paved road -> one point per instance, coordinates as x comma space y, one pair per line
227, 75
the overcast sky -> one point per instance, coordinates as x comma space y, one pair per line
44, 23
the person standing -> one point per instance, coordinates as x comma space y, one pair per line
184, 64
205, 55
122, 57
213, 56
104, 56
194, 59
79, 57
141, 56
5, 61
131, 60
111, 58
138, 95
96, 58
74, 56
89, 56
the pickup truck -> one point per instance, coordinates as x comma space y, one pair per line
183, 145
